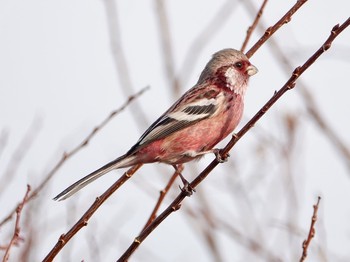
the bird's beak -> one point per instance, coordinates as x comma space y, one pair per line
251, 70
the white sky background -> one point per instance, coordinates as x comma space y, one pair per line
57, 71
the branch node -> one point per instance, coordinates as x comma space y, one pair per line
335, 29
137, 240
61, 239
268, 31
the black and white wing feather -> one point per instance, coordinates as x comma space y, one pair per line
178, 117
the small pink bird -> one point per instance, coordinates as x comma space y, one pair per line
191, 127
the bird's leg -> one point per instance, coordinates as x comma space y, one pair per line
216, 152
186, 185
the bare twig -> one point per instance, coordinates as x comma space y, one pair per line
162, 196
271, 30
253, 26
311, 106
69, 154
312, 231
83, 221
176, 204
16, 231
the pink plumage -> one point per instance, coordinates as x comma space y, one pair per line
194, 124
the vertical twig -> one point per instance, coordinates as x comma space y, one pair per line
312, 231
16, 231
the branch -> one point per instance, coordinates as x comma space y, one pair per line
176, 204
162, 196
253, 26
312, 231
16, 232
271, 30
309, 102
83, 221
75, 150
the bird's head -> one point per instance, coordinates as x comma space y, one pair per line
231, 67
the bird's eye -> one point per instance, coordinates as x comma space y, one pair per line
238, 65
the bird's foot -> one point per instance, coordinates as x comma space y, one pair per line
187, 189
219, 157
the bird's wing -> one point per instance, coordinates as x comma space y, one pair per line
193, 106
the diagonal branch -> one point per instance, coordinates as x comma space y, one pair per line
69, 154
83, 221
162, 196
271, 30
253, 26
176, 204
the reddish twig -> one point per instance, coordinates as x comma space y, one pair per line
253, 26
310, 103
16, 232
162, 196
312, 231
176, 204
271, 30
83, 221
67, 155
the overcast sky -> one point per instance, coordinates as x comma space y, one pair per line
59, 79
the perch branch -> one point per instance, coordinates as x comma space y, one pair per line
176, 204
75, 150
83, 221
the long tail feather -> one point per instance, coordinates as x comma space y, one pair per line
123, 161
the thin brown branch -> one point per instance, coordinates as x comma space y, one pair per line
253, 26
162, 196
176, 204
83, 221
271, 30
312, 231
16, 231
311, 106
75, 150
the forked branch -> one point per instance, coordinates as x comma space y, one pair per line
290, 84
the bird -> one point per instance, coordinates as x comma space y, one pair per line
194, 124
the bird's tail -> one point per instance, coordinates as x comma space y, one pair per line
123, 161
